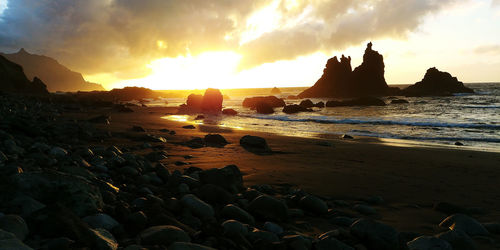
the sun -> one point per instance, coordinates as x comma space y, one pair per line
214, 69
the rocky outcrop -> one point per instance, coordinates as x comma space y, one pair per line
339, 80
272, 101
437, 83
13, 79
210, 102
51, 72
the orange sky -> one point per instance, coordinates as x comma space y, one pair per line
174, 44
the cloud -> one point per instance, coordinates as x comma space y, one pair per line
488, 49
122, 36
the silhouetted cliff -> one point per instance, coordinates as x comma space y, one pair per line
437, 83
13, 79
56, 76
339, 80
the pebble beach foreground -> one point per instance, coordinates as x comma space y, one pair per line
66, 185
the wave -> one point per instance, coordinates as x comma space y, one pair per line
423, 138
370, 121
482, 106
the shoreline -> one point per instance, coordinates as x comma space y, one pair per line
332, 136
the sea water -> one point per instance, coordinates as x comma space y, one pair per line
471, 119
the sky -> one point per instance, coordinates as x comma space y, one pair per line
195, 44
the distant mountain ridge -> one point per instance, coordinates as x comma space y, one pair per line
13, 80
56, 76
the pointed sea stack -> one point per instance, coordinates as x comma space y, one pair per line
339, 80
437, 83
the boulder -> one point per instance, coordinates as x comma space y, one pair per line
215, 140
457, 239
399, 101
101, 221
268, 207
294, 108
9, 241
198, 207
212, 101
362, 101
163, 235
214, 194
194, 101
255, 144
375, 235
464, 223
229, 178
436, 83
75, 192
307, 103
273, 101
264, 108
339, 80
234, 228
188, 246
313, 204
428, 243
234, 212
231, 112
101, 239
14, 224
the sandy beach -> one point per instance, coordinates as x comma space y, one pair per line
409, 179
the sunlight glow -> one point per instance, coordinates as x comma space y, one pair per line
262, 21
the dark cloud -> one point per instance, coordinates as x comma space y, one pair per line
121, 36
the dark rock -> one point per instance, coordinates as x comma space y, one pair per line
307, 103
102, 119
194, 101
339, 80
346, 136
273, 228
313, 204
233, 228
188, 246
215, 140
319, 105
234, 212
294, 108
364, 209
75, 192
436, 83
137, 221
268, 207
163, 235
255, 144
9, 241
228, 178
327, 243
375, 235
492, 227
212, 101
122, 108
272, 101
275, 91
196, 142
197, 206
464, 223
457, 239
101, 221
428, 242
189, 127
458, 143
138, 129
362, 101
229, 112
13, 80
399, 101
214, 194
14, 224
264, 108
199, 117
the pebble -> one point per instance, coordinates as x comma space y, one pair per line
9, 241
14, 224
58, 152
313, 204
457, 239
375, 235
234, 212
163, 235
464, 223
234, 227
269, 207
197, 206
428, 243
273, 228
101, 221
188, 246
364, 209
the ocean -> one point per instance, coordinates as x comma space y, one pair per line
471, 119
